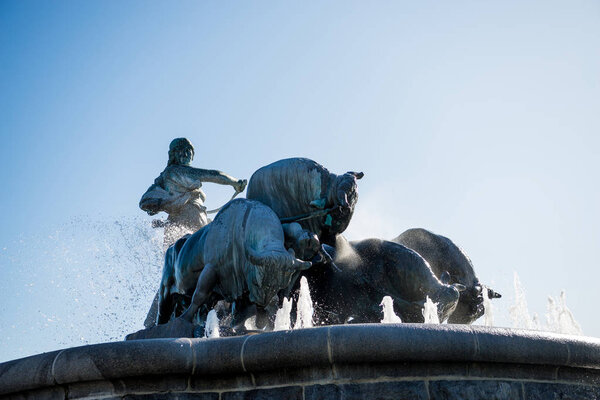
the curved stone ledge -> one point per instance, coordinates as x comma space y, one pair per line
319, 356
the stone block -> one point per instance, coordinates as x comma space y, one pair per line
149, 384
27, 373
127, 386
205, 383
283, 376
296, 348
583, 351
586, 376
218, 356
513, 371
176, 328
401, 342
93, 389
556, 391
287, 393
475, 390
411, 369
413, 390
173, 396
51, 393
505, 345
124, 359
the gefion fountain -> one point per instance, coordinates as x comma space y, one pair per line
230, 292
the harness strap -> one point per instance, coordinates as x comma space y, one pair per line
218, 209
302, 217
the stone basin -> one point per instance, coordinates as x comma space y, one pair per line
367, 361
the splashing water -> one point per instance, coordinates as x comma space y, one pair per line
87, 281
430, 312
519, 313
389, 316
305, 310
559, 317
283, 321
488, 313
250, 324
211, 329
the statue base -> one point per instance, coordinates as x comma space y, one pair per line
385, 361
176, 328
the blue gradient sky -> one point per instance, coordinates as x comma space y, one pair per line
478, 120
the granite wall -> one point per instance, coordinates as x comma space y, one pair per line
372, 361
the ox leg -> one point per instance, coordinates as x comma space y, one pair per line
204, 287
262, 318
165, 308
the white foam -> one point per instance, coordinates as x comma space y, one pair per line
389, 316
211, 329
283, 321
430, 312
305, 310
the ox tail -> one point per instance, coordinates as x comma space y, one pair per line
279, 258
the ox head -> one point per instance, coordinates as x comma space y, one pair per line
470, 305
343, 195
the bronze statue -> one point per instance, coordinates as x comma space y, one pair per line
303, 191
367, 270
253, 253
177, 192
452, 265
240, 254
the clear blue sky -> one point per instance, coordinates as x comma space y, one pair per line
477, 120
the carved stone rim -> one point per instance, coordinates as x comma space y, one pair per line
320, 346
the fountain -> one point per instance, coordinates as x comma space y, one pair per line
389, 316
430, 312
337, 348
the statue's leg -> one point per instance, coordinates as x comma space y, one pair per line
204, 286
242, 310
165, 308
262, 318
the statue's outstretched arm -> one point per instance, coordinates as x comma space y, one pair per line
157, 199
215, 176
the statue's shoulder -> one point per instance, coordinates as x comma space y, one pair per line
176, 171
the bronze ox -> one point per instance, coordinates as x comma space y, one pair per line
365, 271
240, 254
302, 190
449, 263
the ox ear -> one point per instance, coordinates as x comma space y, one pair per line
459, 287
445, 278
357, 175
318, 204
